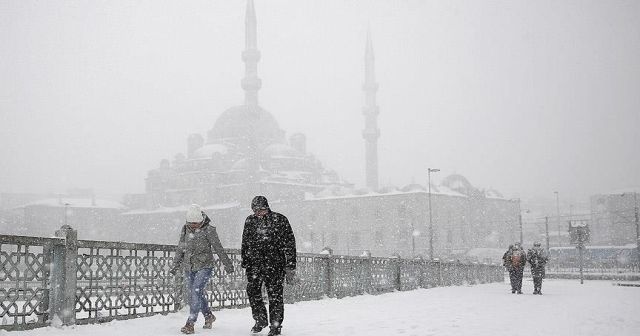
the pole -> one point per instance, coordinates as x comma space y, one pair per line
520, 220
635, 208
580, 248
429, 171
413, 240
558, 215
546, 229
430, 219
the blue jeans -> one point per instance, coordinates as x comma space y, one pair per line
196, 281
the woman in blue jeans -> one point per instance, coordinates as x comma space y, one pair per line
198, 241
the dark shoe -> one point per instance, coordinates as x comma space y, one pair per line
208, 321
274, 331
519, 292
188, 328
513, 291
258, 327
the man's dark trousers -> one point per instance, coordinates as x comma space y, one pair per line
273, 279
515, 277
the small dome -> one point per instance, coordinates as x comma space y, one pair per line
413, 187
281, 150
208, 150
242, 164
460, 184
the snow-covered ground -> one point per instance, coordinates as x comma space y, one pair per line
566, 308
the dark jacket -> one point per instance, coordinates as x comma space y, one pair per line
509, 260
268, 242
537, 260
196, 246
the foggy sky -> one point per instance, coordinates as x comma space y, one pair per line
526, 97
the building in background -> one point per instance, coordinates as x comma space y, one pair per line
246, 153
613, 218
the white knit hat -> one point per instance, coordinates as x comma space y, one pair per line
194, 214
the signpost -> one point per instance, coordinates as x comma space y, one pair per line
579, 235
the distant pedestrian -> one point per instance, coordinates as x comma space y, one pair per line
269, 256
195, 256
537, 258
514, 260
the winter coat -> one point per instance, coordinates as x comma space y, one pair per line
509, 259
268, 242
194, 251
537, 260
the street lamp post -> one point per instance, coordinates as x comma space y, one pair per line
413, 240
429, 171
558, 215
635, 210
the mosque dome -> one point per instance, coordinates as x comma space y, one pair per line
246, 124
281, 150
207, 151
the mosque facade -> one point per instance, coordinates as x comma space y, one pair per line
246, 153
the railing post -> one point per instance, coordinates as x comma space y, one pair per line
419, 263
367, 273
62, 299
397, 269
327, 256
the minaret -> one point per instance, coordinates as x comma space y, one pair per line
371, 133
250, 56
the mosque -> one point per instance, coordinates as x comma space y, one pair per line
246, 153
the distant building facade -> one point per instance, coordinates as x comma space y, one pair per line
613, 219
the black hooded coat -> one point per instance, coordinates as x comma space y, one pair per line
268, 242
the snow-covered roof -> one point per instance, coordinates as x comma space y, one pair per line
77, 203
629, 190
182, 208
342, 192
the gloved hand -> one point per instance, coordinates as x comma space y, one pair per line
228, 269
290, 276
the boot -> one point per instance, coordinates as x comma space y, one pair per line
188, 328
258, 327
208, 321
274, 331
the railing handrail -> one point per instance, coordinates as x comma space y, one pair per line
115, 280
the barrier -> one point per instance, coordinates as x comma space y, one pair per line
66, 281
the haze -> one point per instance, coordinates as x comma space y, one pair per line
527, 97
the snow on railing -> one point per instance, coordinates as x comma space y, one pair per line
65, 281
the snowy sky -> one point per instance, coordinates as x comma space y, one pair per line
526, 97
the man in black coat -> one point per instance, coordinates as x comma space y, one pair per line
269, 257
537, 259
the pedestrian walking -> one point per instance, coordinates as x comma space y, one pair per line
514, 260
537, 258
198, 240
269, 257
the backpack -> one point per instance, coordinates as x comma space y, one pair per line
516, 257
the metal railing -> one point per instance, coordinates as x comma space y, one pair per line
65, 281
